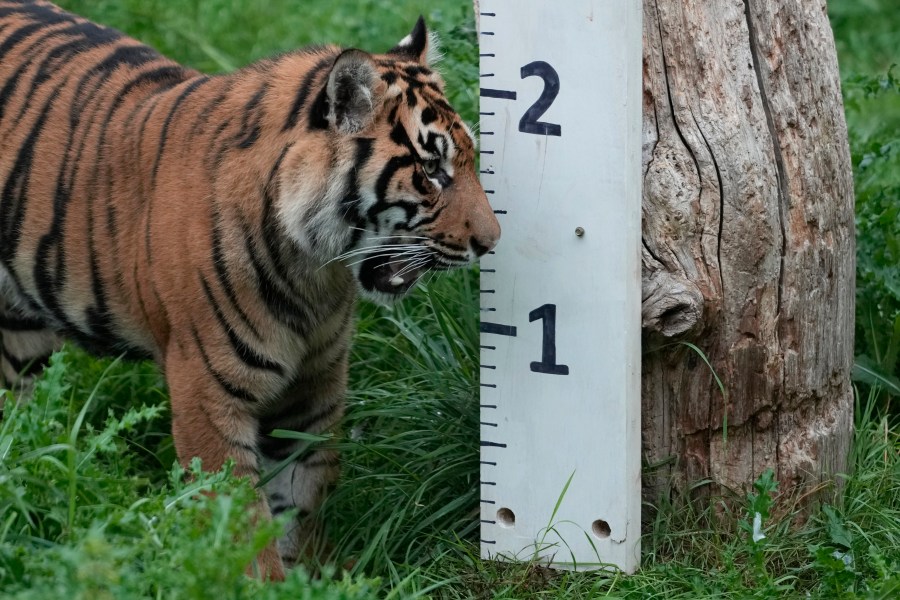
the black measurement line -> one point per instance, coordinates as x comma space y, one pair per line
488, 55
489, 463
487, 114
488, 541
492, 252
487, 133
488, 502
502, 94
484, 14
489, 522
489, 270
486, 74
488, 366
489, 385
488, 291
499, 212
489, 191
487, 33
491, 406
488, 347
488, 310
487, 482
486, 424
487, 172
492, 444
498, 329
485, 151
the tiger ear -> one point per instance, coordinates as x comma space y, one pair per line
420, 45
352, 91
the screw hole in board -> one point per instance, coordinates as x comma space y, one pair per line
506, 518
601, 529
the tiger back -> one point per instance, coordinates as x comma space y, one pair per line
223, 225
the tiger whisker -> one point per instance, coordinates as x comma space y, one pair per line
412, 266
389, 237
383, 248
398, 258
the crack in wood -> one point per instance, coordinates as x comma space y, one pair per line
783, 192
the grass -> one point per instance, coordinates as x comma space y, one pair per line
91, 507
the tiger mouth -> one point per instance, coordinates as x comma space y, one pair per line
392, 273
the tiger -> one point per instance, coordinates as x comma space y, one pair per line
224, 226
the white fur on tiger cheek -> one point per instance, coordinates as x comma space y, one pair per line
310, 212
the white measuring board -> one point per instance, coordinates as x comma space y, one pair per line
560, 297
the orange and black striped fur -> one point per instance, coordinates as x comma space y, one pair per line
223, 225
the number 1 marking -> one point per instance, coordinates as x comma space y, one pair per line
548, 365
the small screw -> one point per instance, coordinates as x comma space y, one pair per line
579, 231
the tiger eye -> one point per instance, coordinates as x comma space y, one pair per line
430, 167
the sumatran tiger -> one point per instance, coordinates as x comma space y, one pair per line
223, 225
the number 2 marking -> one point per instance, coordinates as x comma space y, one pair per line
548, 365
529, 122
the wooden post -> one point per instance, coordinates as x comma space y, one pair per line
560, 437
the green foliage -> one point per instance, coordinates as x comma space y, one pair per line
876, 157
83, 515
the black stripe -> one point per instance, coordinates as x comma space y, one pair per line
428, 115
248, 356
226, 385
15, 322
276, 448
284, 418
384, 180
208, 111
280, 305
26, 59
304, 90
318, 112
163, 137
223, 278
18, 36
25, 367
400, 137
87, 36
269, 223
250, 121
15, 192
44, 13
351, 201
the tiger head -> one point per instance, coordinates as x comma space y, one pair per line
404, 194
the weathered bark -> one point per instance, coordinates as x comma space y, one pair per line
748, 243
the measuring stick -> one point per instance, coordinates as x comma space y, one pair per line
560, 296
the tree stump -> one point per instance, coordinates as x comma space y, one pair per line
748, 234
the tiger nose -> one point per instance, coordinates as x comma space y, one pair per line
485, 234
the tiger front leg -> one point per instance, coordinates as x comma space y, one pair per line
313, 405
214, 425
